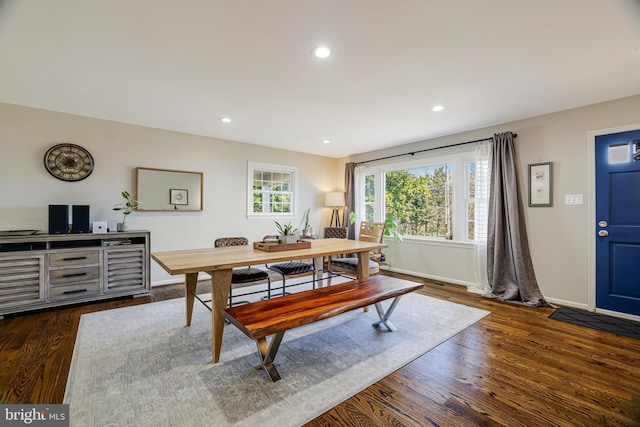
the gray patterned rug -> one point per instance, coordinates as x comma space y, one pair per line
140, 366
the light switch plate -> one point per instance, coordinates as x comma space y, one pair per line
573, 199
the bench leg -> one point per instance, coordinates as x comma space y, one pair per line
384, 316
267, 353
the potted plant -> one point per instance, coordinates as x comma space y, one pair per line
307, 229
287, 232
391, 227
127, 207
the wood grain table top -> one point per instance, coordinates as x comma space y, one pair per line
212, 259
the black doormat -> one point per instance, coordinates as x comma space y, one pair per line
602, 322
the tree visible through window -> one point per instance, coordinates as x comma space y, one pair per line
422, 200
434, 198
369, 197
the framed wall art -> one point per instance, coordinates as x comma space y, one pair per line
540, 185
178, 197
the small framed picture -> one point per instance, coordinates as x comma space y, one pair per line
178, 197
540, 185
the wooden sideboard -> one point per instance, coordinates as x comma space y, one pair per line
49, 270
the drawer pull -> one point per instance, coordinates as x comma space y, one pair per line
74, 275
75, 258
77, 291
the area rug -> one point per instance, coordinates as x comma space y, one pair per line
601, 322
140, 366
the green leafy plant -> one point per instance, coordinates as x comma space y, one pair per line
391, 227
305, 219
128, 206
352, 218
286, 229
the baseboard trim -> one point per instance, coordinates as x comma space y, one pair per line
429, 276
471, 287
566, 303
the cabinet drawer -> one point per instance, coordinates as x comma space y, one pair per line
63, 258
80, 290
68, 276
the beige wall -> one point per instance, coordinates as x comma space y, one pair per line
26, 188
559, 235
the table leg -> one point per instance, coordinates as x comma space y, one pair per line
221, 286
190, 282
363, 265
318, 265
363, 269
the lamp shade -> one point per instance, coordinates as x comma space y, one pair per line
334, 198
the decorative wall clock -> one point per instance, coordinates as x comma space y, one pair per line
68, 162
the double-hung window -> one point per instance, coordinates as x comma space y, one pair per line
271, 190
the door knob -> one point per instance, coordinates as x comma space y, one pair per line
603, 233
603, 223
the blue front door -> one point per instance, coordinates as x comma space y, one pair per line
617, 225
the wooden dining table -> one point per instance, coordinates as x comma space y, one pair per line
219, 263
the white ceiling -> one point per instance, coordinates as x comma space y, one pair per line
181, 65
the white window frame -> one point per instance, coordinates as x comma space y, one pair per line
266, 167
467, 196
460, 162
376, 195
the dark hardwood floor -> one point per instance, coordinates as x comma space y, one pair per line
515, 367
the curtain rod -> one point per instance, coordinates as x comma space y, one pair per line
428, 149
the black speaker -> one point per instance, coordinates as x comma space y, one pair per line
58, 219
80, 219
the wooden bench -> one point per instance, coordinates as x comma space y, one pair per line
260, 319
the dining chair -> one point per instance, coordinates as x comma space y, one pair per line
335, 232
369, 232
243, 276
291, 269
332, 233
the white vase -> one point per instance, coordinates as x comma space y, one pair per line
288, 239
123, 226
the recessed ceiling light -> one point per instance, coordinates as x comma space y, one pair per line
326, 141
438, 108
321, 52
225, 119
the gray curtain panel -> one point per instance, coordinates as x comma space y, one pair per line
349, 197
509, 267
